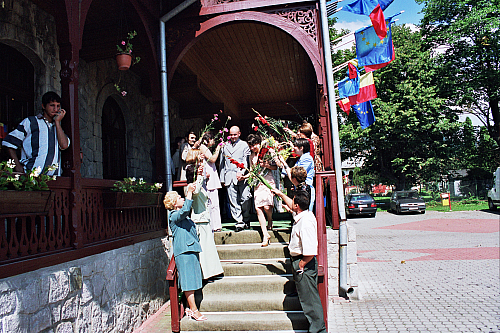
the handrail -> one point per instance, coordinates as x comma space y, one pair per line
325, 180
175, 305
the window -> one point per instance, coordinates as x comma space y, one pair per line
114, 151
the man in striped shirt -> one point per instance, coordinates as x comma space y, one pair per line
41, 138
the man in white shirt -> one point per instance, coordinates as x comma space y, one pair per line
303, 248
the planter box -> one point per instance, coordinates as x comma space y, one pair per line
129, 200
25, 202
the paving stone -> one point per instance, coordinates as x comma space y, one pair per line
436, 289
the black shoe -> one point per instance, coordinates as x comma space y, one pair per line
238, 229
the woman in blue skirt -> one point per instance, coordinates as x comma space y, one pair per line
186, 247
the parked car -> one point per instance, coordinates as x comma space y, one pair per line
407, 201
360, 204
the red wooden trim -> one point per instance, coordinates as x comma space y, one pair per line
244, 5
19, 267
300, 35
175, 309
322, 246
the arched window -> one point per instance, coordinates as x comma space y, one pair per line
17, 76
114, 150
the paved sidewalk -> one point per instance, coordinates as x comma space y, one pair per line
437, 272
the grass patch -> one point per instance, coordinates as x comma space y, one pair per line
456, 205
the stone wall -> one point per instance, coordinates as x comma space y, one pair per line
32, 32
333, 261
113, 291
96, 84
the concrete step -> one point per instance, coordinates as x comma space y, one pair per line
254, 235
248, 321
273, 301
241, 267
252, 251
259, 284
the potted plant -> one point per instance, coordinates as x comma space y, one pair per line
25, 193
130, 192
124, 57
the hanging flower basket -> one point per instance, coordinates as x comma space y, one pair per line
124, 61
25, 202
114, 199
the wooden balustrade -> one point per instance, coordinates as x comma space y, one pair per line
35, 240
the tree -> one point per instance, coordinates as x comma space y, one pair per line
409, 142
468, 31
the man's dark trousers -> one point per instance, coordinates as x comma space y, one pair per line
307, 288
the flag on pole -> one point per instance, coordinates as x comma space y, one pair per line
374, 9
371, 68
345, 105
364, 112
348, 87
352, 71
367, 90
370, 50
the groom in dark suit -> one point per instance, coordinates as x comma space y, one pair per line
232, 177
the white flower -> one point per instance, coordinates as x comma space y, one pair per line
158, 185
16, 177
54, 177
11, 164
36, 171
53, 167
132, 179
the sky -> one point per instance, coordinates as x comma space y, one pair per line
353, 22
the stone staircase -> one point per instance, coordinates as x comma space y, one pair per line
257, 292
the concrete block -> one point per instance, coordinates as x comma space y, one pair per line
65, 327
58, 286
40, 320
353, 275
70, 308
18, 323
8, 303
351, 233
55, 310
352, 253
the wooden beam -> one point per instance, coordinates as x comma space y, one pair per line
199, 110
279, 109
245, 5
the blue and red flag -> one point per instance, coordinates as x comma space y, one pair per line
374, 9
370, 50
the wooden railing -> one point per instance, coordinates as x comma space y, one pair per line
327, 212
32, 241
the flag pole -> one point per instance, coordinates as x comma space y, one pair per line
332, 108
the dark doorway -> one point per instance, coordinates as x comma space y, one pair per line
17, 76
114, 150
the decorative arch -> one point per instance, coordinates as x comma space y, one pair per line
295, 31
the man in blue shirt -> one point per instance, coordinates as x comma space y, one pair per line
302, 148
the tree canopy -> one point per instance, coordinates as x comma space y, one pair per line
409, 142
465, 35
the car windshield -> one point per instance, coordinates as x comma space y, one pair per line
361, 197
408, 195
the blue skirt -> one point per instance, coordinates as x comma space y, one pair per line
188, 266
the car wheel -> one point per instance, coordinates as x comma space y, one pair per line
372, 215
398, 210
491, 206
422, 212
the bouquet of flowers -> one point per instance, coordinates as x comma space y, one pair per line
35, 180
270, 127
255, 173
131, 185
